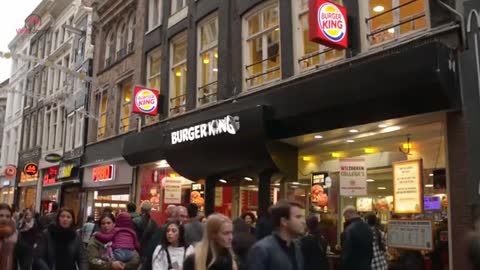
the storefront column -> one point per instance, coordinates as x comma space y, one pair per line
210, 196
459, 220
264, 181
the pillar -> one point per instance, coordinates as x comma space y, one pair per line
209, 196
264, 181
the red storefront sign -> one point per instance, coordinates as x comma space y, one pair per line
328, 24
145, 100
11, 171
50, 176
30, 169
103, 173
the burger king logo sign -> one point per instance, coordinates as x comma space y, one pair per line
145, 101
328, 24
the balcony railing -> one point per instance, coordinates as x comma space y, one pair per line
208, 93
259, 75
178, 104
101, 132
124, 127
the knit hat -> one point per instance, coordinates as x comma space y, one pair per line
124, 220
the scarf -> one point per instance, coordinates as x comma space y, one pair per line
8, 239
26, 226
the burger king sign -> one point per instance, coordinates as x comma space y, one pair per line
328, 24
145, 101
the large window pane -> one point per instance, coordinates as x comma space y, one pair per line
178, 75
208, 61
125, 110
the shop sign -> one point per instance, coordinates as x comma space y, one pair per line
30, 168
103, 173
410, 234
431, 203
173, 190
50, 176
328, 24
65, 171
227, 125
145, 101
353, 177
319, 194
53, 158
10, 171
407, 187
196, 195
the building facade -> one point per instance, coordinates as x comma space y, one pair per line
6, 193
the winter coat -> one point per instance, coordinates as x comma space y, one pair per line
149, 248
123, 238
145, 229
32, 235
193, 232
357, 246
314, 250
268, 254
97, 259
223, 262
59, 249
241, 244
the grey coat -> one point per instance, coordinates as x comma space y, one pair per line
267, 254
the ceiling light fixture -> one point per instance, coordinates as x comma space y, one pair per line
223, 181
391, 30
383, 126
382, 188
248, 178
407, 146
369, 150
378, 8
318, 136
390, 129
306, 158
350, 141
335, 155
429, 185
163, 164
295, 183
353, 130
430, 174
370, 180
215, 70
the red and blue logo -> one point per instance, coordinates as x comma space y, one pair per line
332, 22
145, 101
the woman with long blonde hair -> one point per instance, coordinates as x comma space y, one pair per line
214, 252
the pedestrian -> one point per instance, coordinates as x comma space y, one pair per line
100, 255
14, 253
30, 230
279, 250
60, 247
175, 249
379, 260
242, 241
50, 217
264, 226
314, 246
132, 210
194, 228
123, 239
357, 242
105, 210
214, 252
144, 226
87, 230
250, 219
169, 212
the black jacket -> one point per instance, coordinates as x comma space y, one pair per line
60, 249
22, 255
223, 262
314, 250
357, 246
154, 241
271, 254
145, 228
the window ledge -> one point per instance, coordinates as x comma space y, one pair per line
153, 29
177, 17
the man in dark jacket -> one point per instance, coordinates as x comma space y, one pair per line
357, 242
279, 250
194, 228
144, 226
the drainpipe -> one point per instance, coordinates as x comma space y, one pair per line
463, 34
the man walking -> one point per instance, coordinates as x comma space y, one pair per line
144, 226
194, 228
357, 242
279, 250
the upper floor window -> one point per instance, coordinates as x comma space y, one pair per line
262, 48
79, 123
208, 61
121, 40
310, 54
110, 49
126, 103
101, 100
178, 5
178, 74
131, 33
69, 132
153, 76
154, 14
391, 19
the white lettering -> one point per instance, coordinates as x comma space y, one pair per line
203, 131
197, 132
174, 137
191, 133
228, 125
184, 136
211, 128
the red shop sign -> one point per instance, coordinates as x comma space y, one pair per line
328, 24
103, 173
10, 171
145, 100
50, 176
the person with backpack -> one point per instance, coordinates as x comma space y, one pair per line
173, 249
314, 246
144, 226
379, 260
87, 230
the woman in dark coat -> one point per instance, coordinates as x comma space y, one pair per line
314, 246
61, 247
29, 229
243, 240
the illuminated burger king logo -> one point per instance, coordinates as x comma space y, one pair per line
328, 24
146, 101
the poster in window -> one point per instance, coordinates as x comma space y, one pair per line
173, 190
353, 177
407, 187
196, 195
319, 190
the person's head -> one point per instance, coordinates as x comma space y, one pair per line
65, 218
240, 226
217, 236
107, 210
107, 222
146, 207
249, 218
313, 223
124, 220
169, 211
131, 207
288, 217
174, 234
91, 219
28, 215
349, 213
5, 213
54, 207
372, 220
180, 214
192, 210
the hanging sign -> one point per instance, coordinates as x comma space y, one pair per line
173, 190
407, 187
145, 100
196, 196
65, 171
30, 168
53, 158
353, 177
319, 194
10, 171
50, 176
328, 24
103, 173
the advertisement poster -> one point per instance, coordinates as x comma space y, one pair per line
353, 177
173, 190
196, 196
364, 204
410, 234
218, 197
407, 187
320, 185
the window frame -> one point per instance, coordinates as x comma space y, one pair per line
121, 39
99, 95
122, 129
131, 33
183, 63
175, 9
79, 126
263, 33
69, 137
212, 97
110, 44
151, 8
150, 119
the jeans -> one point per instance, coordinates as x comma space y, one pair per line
123, 255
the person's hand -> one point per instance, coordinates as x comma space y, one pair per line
118, 265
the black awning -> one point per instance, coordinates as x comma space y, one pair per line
147, 146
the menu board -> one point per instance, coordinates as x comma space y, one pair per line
173, 190
353, 177
410, 234
407, 187
364, 204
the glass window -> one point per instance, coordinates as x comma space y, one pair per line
79, 122
154, 14
178, 74
409, 17
46, 131
102, 103
40, 127
110, 49
311, 54
131, 33
125, 108
208, 61
178, 5
121, 41
69, 132
263, 46
153, 77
